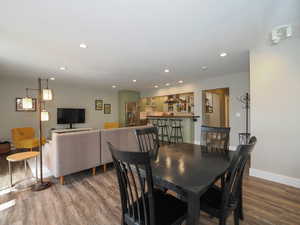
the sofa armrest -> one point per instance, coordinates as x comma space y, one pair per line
74, 152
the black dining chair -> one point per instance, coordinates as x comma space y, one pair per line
142, 204
148, 140
215, 138
220, 202
252, 141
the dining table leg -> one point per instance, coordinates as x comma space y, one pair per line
193, 209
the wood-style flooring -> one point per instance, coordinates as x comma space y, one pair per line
94, 200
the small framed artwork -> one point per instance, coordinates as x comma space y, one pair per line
107, 108
98, 104
19, 106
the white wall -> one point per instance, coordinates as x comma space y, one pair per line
238, 85
275, 107
65, 95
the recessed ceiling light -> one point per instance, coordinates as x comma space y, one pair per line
52, 78
156, 86
62, 68
133, 81
166, 70
223, 54
204, 67
83, 45
114, 86
167, 84
180, 81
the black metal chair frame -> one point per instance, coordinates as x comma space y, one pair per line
148, 140
163, 131
215, 138
176, 131
252, 141
231, 191
136, 189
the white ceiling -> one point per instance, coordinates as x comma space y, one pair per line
129, 39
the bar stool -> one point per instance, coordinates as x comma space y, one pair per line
176, 131
163, 129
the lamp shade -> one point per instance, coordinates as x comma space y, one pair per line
27, 103
44, 115
47, 94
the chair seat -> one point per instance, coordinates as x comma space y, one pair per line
211, 201
30, 143
168, 209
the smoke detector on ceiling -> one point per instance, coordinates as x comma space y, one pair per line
280, 33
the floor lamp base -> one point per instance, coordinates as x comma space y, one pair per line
41, 186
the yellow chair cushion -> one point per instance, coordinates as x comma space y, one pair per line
110, 125
25, 138
31, 143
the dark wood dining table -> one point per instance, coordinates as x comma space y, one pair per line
189, 170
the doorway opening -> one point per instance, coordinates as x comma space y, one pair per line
215, 107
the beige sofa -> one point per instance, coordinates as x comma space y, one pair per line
122, 138
72, 152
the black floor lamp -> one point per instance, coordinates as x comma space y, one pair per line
44, 94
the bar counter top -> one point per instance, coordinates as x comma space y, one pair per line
175, 116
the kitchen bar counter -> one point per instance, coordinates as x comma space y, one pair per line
175, 116
187, 125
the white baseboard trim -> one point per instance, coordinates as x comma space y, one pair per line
290, 181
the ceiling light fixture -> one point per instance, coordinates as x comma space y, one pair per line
156, 86
62, 68
83, 45
52, 78
166, 70
180, 81
114, 86
167, 84
223, 54
204, 67
133, 81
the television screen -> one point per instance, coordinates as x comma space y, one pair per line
69, 116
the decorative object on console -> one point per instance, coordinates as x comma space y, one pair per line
98, 104
43, 94
107, 108
26, 104
4, 147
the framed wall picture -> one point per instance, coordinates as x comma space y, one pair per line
107, 108
98, 104
19, 105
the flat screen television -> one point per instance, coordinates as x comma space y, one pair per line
70, 116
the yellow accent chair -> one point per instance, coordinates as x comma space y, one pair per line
110, 125
25, 138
